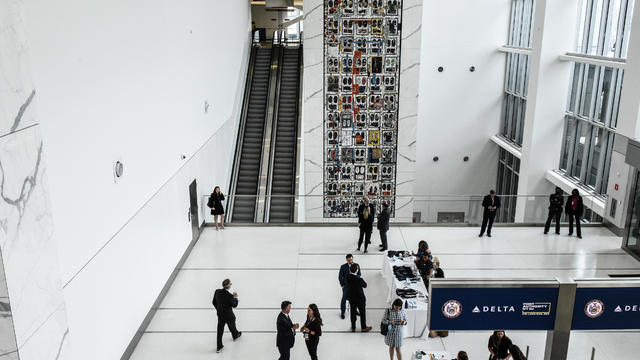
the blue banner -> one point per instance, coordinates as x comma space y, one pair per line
493, 308
606, 308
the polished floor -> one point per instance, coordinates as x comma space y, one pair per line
300, 264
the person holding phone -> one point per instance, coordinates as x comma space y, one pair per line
224, 301
396, 319
312, 330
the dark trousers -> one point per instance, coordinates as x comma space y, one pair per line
343, 302
366, 234
232, 328
285, 352
487, 222
553, 215
383, 239
360, 307
577, 219
312, 347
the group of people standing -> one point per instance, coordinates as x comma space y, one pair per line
366, 216
573, 207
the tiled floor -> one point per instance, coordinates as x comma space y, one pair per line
271, 264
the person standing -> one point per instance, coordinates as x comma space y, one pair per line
396, 319
555, 210
312, 330
224, 301
286, 331
490, 203
383, 225
342, 279
462, 355
366, 214
499, 345
574, 208
215, 204
357, 300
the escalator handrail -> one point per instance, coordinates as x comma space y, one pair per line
240, 138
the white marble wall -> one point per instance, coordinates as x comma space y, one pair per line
312, 111
29, 254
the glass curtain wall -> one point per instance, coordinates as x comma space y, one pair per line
517, 71
508, 175
594, 96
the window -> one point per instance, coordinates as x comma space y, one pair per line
604, 27
517, 71
594, 98
507, 185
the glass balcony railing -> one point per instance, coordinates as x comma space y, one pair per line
407, 209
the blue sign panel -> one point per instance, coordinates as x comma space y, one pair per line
493, 308
606, 308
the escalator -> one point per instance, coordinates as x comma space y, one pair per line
247, 167
283, 157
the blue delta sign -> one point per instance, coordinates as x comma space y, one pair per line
486, 308
606, 308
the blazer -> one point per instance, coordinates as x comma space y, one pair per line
344, 272
286, 335
315, 327
555, 203
486, 202
224, 302
366, 224
383, 220
579, 209
355, 286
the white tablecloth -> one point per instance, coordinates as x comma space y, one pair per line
416, 318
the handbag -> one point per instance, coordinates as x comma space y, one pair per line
384, 328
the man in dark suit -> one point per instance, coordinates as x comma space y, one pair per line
286, 331
366, 214
224, 302
490, 203
555, 210
383, 225
342, 279
357, 300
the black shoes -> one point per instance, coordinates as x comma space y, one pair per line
219, 349
239, 334
480, 235
489, 235
342, 316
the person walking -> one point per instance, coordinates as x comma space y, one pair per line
215, 204
312, 330
574, 208
224, 301
286, 331
357, 299
396, 319
383, 225
366, 214
499, 345
490, 203
555, 210
342, 279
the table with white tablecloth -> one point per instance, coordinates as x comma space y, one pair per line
416, 317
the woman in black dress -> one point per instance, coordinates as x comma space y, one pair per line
312, 330
215, 203
499, 345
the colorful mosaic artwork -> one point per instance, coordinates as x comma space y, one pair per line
361, 87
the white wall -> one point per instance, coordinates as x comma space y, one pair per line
460, 110
129, 80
